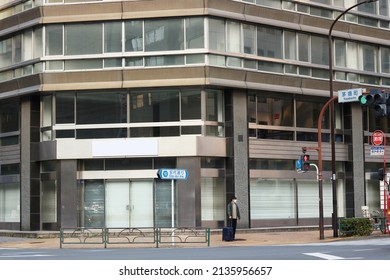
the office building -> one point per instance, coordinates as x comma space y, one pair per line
97, 96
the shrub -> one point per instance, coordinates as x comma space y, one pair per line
355, 226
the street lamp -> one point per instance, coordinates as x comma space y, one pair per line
332, 120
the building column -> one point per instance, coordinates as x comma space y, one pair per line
356, 192
240, 162
67, 194
188, 193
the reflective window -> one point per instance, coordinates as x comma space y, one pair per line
164, 35
319, 50
83, 38
10, 202
249, 33
190, 105
133, 36
369, 57
9, 117
65, 108
233, 37
269, 42
54, 40
194, 33
112, 37
217, 37
385, 60
154, 106
96, 108
308, 112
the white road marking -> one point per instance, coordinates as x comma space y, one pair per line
324, 256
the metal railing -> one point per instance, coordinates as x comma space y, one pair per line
133, 236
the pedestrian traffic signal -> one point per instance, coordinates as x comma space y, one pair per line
305, 162
378, 100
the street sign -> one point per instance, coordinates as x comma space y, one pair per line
377, 151
377, 138
173, 174
350, 95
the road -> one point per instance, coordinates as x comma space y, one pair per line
367, 249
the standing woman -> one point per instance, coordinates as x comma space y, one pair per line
234, 213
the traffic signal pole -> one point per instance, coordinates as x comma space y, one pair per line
319, 172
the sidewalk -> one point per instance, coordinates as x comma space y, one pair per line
242, 239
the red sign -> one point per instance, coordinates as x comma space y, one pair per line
377, 138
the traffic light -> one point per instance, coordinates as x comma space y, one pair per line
377, 99
305, 162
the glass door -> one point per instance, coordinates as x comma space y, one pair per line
141, 204
117, 204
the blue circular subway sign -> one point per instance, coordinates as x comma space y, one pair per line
173, 174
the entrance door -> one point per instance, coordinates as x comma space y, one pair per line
141, 204
117, 204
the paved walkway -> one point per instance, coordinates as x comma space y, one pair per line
242, 239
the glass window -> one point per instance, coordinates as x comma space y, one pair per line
352, 55
17, 55
6, 52
97, 108
128, 164
308, 112
290, 45
217, 36
83, 38
233, 37
385, 60
54, 39
194, 33
274, 111
164, 35
270, 3
65, 108
249, 32
83, 64
10, 202
214, 105
369, 8
47, 110
368, 56
303, 47
9, 117
133, 36
269, 42
383, 7
190, 105
112, 37
319, 50
164, 60
154, 106
27, 50
340, 53
38, 42
93, 204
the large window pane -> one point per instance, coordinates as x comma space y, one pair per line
369, 57
194, 33
96, 108
93, 204
308, 112
86, 38
154, 106
164, 35
385, 60
269, 42
113, 37
214, 105
190, 105
274, 111
54, 40
9, 203
27, 50
9, 117
17, 55
249, 38
133, 36
217, 36
49, 202
303, 47
290, 45
233, 37
65, 108
319, 50
6, 52
340, 53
